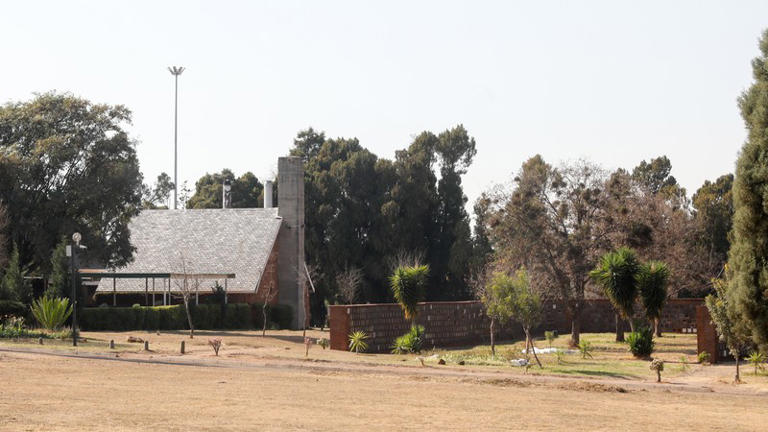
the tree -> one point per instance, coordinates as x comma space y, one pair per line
749, 245
655, 177
58, 281
616, 274
526, 308
497, 298
187, 285
554, 221
482, 249
3, 239
713, 203
409, 286
14, 284
652, 278
68, 165
725, 312
247, 191
157, 196
348, 283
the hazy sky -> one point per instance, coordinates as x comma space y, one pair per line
614, 82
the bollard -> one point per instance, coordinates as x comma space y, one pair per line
40, 341
112, 344
146, 345
182, 347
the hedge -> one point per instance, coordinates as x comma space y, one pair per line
204, 316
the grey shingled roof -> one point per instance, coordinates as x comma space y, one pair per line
217, 241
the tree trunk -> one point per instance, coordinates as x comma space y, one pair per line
493, 341
264, 317
575, 328
619, 330
189, 318
657, 327
631, 324
738, 375
658, 376
529, 342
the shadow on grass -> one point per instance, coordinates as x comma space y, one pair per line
591, 373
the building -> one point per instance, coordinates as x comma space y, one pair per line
250, 252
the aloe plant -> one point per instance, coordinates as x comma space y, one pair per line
357, 341
51, 312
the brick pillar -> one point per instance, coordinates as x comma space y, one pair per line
290, 261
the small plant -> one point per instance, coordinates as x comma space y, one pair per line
550, 337
657, 365
757, 359
703, 357
684, 364
585, 348
323, 342
641, 342
410, 342
357, 341
51, 312
560, 355
215, 344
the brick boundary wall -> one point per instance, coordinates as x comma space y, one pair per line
464, 323
707, 338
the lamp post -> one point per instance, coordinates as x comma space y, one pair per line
175, 71
72, 253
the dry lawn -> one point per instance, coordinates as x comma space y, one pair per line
266, 384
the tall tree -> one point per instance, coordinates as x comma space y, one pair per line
68, 165
157, 196
656, 177
713, 203
652, 279
246, 192
554, 222
747, 259
58, 281
15, 286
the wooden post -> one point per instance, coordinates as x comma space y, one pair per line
112, 344
146, 345
114, 291
182, 347
40, 341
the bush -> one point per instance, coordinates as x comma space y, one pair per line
12, 308
204, 316
550, 337
757, 359
585, 348
703, 357
357, 341
51, 312
641, 342
410, 342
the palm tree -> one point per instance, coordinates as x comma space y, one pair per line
652, 281
409, 286
616, 274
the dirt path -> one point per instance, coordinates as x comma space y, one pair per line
42, 391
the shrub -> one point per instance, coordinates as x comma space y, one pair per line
215, 344
410, 342
204, 316
323, 342
703, 357
51, 312
585, 348
757, 359
409, 285
641, 342
357, 341
12, 308
657, 365
550, 337
560, 354
684, 364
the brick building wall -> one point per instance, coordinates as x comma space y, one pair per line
465, 323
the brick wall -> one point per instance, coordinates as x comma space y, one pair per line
707, 339
465, 323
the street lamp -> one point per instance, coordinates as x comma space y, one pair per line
72, 254
175, 71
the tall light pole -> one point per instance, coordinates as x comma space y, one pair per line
175, 71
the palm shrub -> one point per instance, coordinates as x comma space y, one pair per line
616, 274
51, 312
410, 342
641, 342
409, 286
585, 348
652, 279
357, 341
757, 359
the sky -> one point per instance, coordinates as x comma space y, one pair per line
615, 82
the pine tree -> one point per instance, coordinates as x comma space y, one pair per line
14, 284
58, 281
748, 257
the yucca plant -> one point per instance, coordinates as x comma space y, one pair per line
757, 359
51, 312
409, 286
652, 281
616, 273
357, 341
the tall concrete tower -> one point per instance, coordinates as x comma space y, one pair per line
290, 255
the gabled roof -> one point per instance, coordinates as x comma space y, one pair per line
214, 241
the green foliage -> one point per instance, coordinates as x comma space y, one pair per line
585, 348
323, 342
357, 341
498, 298
157, 196
410, 342
15, 287
655, 177
684, 364
757, 359
641, 342
560, 355
726, 315
12, 308
703, 357
236, 316
526, 304
58, 281
652, 279
51, 312
246, 191
550, 337
409, 284
713, 203
616, 274
748, 276
88, 180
